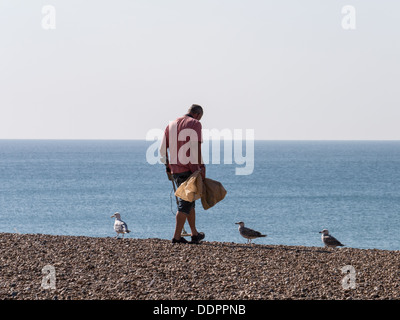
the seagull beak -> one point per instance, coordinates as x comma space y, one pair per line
113, 216
320, 232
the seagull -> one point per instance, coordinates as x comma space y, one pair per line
119, 225
330, 241
248, 233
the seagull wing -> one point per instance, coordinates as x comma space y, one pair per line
251, 233
332, 241
124, 227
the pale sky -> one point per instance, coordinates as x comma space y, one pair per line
117, 69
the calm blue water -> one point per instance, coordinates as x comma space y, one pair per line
296, 189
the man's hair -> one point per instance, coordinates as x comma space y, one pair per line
196, 109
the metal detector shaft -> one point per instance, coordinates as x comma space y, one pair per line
184, 233
173, 186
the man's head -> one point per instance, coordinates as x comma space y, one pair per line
196, 111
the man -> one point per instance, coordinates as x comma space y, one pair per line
183, 138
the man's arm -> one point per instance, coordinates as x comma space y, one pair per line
164, 155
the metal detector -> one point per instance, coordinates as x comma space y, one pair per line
184, 233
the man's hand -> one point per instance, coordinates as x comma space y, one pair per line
168, 171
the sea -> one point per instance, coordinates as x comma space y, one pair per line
294, 190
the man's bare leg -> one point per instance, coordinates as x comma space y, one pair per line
180, 219
191, 217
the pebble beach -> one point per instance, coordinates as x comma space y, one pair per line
48, 267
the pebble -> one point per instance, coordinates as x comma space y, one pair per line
106, 268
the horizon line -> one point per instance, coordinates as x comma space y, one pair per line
127, 139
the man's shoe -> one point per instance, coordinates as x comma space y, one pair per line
197, 238
181, 240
